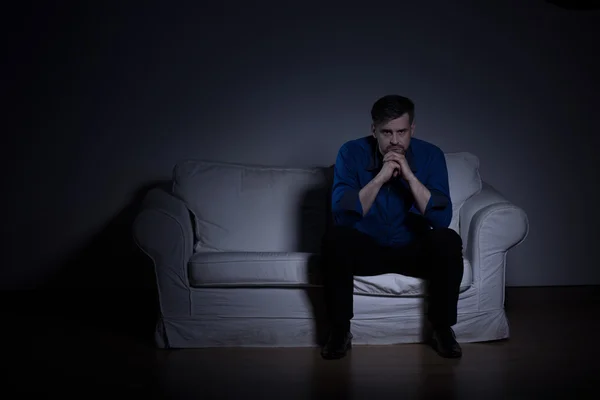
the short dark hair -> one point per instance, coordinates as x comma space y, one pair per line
391, 107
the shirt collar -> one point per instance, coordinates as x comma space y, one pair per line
376, 159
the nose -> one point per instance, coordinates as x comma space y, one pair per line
394, 139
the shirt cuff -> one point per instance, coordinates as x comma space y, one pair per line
351, 202
437, 201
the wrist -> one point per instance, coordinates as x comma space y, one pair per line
378, 181
412, 179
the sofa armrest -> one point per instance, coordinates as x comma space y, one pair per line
163, 231
490, 225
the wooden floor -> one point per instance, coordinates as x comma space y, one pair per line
552, 351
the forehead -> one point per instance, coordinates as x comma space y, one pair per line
397, 124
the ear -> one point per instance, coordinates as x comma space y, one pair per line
373, 130
412, 129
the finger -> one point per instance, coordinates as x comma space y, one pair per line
393, 156
397, 163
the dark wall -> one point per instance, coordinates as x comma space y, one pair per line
105, 97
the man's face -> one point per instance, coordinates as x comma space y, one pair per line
394, 135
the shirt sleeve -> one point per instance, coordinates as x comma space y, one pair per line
346, 207
438, 211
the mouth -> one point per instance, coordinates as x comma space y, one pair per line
397, 150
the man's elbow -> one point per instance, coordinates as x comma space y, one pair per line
446, 220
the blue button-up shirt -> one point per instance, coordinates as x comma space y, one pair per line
393, 219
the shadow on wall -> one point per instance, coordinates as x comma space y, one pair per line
109, 282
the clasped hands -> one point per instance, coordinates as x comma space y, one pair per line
395, 164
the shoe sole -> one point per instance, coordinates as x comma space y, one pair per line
435, 347
337, 356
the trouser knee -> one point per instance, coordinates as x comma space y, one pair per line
338, 238
446, 254
445, 239
337, 248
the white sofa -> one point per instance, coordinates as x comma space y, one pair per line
236, 253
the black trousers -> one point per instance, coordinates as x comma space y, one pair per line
435, 256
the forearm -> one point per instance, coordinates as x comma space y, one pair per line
420, 193
368, 194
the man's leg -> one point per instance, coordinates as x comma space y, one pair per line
440, 256
435, 256
345, 252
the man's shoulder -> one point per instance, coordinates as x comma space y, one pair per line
425, 148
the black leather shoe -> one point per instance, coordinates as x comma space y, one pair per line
444, 343
337, 345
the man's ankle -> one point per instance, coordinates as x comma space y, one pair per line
341, 327
441, 327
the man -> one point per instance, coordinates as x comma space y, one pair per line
391, 208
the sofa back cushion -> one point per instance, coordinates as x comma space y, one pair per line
253, 208
273, 209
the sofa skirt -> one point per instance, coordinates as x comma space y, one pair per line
294, 317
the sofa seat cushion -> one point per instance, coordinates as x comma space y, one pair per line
261, 269
253, 269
